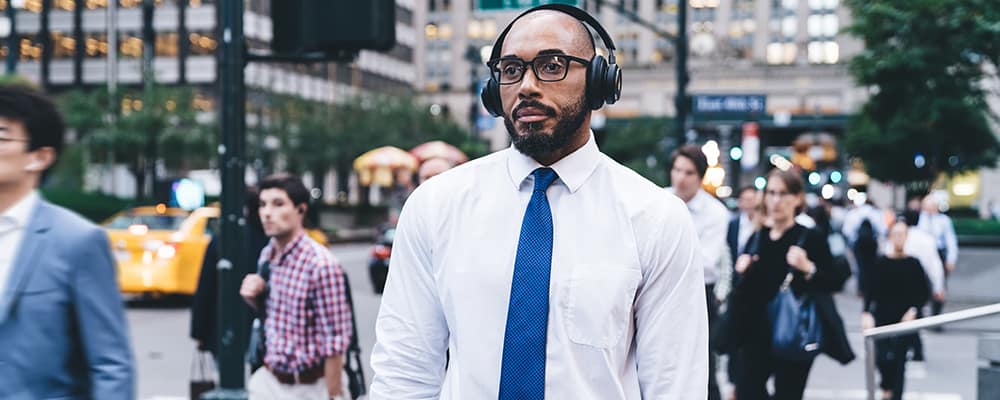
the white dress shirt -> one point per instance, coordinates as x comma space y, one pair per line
939, 226
711, 221
627, 316
857, 215
12, 224
920, 245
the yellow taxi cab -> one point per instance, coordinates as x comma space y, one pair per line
159, 249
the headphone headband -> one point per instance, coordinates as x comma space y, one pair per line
565, 9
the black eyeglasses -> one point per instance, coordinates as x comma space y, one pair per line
547, 68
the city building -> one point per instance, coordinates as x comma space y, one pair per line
791, 53
64, 44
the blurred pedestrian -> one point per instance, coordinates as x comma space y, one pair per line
898, 289
687, 170
432, 167
741, 227
784, 247
940, 227
548, 269
204, 304
863, 226
62, 322
921, 245
308, 319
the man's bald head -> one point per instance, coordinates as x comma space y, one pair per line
581, 42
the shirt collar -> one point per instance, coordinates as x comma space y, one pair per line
573, 170
294, 244
20, 212
697, 202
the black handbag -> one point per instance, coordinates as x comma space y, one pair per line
352, 359
796, 328
202, 374
256, 347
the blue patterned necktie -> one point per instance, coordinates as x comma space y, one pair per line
522, 373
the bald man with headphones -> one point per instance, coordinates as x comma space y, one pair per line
545, 270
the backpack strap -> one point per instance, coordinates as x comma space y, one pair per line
352, 360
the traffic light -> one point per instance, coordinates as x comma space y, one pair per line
332, 26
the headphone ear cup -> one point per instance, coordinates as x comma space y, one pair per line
490, 97
596, 85
613, 82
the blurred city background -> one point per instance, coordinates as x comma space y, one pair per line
879, 101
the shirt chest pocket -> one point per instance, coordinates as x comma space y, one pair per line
599, 303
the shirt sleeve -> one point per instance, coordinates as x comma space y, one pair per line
829, 276
101, 322
950, 239
333, 313
713, 240
671, 319
411, 333
921, 246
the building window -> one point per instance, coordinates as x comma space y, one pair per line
96, 45
789, 26
130, 45
166, 44
64, 46
202, 43
819, 5
31, 49
68, 5
824, 52
95, 4
781, 53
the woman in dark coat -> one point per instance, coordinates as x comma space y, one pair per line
781, 247
899, 287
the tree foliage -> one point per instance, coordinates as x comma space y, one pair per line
158, 125
924, 65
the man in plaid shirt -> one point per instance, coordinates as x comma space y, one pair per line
308, 320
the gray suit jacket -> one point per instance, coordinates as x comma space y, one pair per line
62, 322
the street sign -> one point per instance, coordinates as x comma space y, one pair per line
496, 5
729, 104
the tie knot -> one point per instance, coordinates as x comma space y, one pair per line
543, 178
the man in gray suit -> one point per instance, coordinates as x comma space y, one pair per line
62, 324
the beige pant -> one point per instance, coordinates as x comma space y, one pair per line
264, 386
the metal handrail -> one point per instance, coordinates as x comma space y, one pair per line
903, 328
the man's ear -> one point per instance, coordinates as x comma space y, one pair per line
41, 159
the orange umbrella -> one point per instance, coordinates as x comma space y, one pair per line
439, 149
377, 166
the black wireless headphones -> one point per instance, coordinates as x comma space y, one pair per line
604, 77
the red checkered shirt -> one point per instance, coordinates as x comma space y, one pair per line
308, 318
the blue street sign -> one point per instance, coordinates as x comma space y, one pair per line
729, 104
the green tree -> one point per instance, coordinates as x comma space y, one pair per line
154, 126
640, 144
318, 137
924, 64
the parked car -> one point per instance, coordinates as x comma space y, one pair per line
378, 265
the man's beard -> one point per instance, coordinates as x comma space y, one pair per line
536, 142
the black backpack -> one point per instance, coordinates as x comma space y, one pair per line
867, 238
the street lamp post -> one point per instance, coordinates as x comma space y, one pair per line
13, 47
681, 103
232, 314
